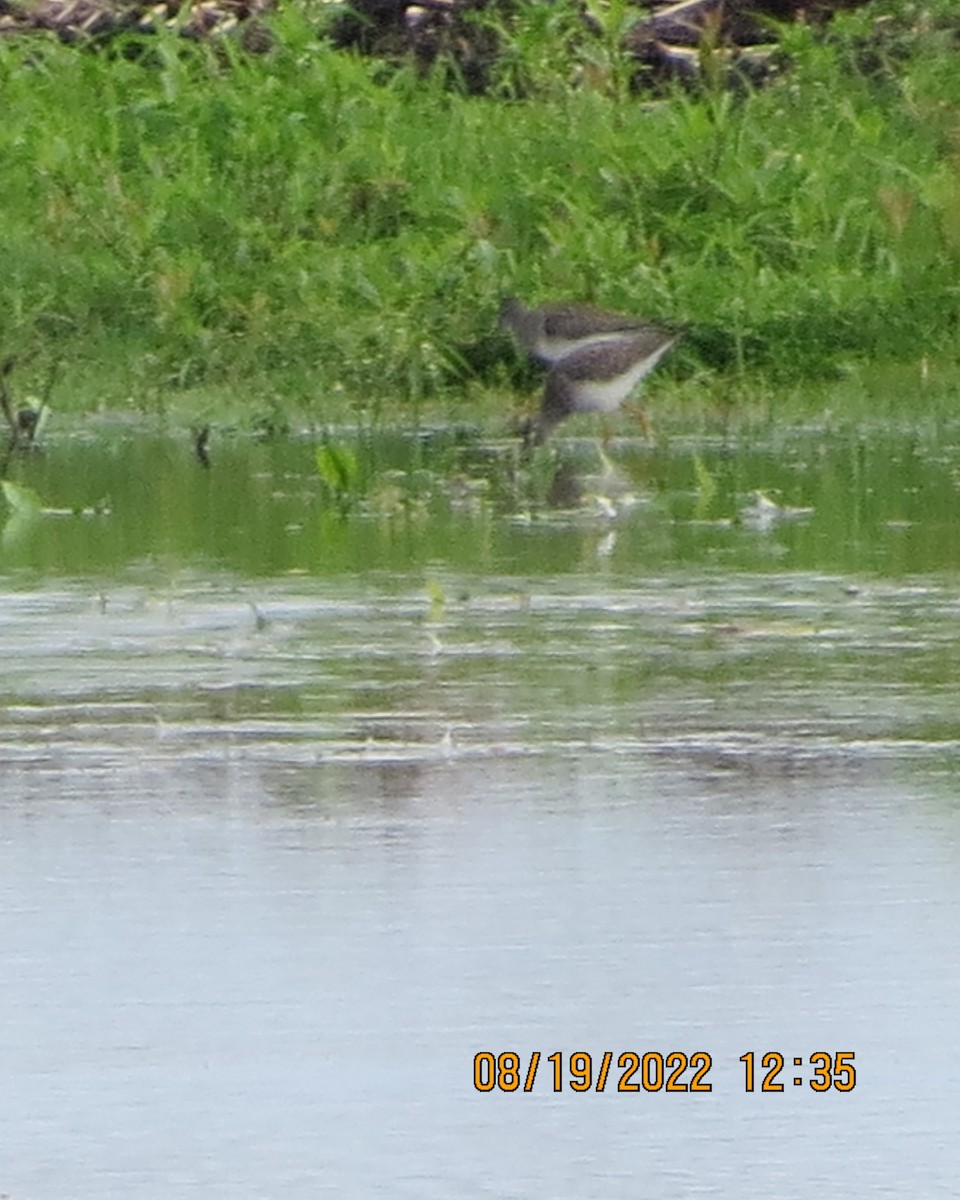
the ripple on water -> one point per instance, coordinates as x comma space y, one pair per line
710, 669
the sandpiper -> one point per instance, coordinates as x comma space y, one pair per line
598, 377
554, 331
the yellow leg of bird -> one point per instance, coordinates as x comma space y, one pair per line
639, 414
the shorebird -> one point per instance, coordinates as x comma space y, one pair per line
554, 331
597, 377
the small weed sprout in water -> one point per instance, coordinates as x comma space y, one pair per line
25, 507
339, 473
706, 488
23, 501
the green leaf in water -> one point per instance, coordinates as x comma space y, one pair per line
25, 510
437, 598
21, 499
338, 468
706, 487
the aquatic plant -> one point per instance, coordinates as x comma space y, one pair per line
339, 472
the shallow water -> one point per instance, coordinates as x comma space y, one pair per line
307, 797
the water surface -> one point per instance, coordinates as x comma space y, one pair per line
307, 797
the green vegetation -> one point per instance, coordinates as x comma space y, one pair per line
311, 233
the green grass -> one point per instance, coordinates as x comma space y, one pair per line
311, 231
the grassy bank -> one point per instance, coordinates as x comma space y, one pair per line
306, 229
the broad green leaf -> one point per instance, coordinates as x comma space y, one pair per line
21, 499
337, 467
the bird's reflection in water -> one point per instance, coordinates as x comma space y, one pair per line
566, 487
605, 493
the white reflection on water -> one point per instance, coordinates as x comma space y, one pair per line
253, 950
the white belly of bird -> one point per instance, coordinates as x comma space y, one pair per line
606, 395
552, 349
